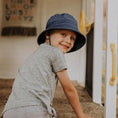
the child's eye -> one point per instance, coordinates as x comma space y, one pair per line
63, 34
72, 38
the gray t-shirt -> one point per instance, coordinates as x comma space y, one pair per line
36, 81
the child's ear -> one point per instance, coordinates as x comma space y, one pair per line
46, 35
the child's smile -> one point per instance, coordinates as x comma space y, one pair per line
62, 39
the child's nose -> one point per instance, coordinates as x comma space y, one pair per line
68, 39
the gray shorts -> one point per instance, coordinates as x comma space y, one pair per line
27, 112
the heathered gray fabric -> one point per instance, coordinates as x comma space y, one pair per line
36, 81
27, 112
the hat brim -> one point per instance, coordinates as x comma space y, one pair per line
79, 42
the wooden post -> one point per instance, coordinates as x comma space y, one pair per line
110, 85
97, 52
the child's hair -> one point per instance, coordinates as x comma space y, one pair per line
67, 22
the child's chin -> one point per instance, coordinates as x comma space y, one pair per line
65, 51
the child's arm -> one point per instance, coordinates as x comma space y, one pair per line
71, 93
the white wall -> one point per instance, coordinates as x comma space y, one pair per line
14, 50
76, 62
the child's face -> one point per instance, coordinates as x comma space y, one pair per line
62, 39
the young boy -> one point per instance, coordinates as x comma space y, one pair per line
34, 87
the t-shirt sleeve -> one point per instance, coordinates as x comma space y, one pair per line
58, 61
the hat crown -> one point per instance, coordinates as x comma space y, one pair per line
62, 20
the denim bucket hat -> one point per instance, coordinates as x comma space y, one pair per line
67, 22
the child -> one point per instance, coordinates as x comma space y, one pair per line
34, 87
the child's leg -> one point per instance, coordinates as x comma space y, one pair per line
27, 112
